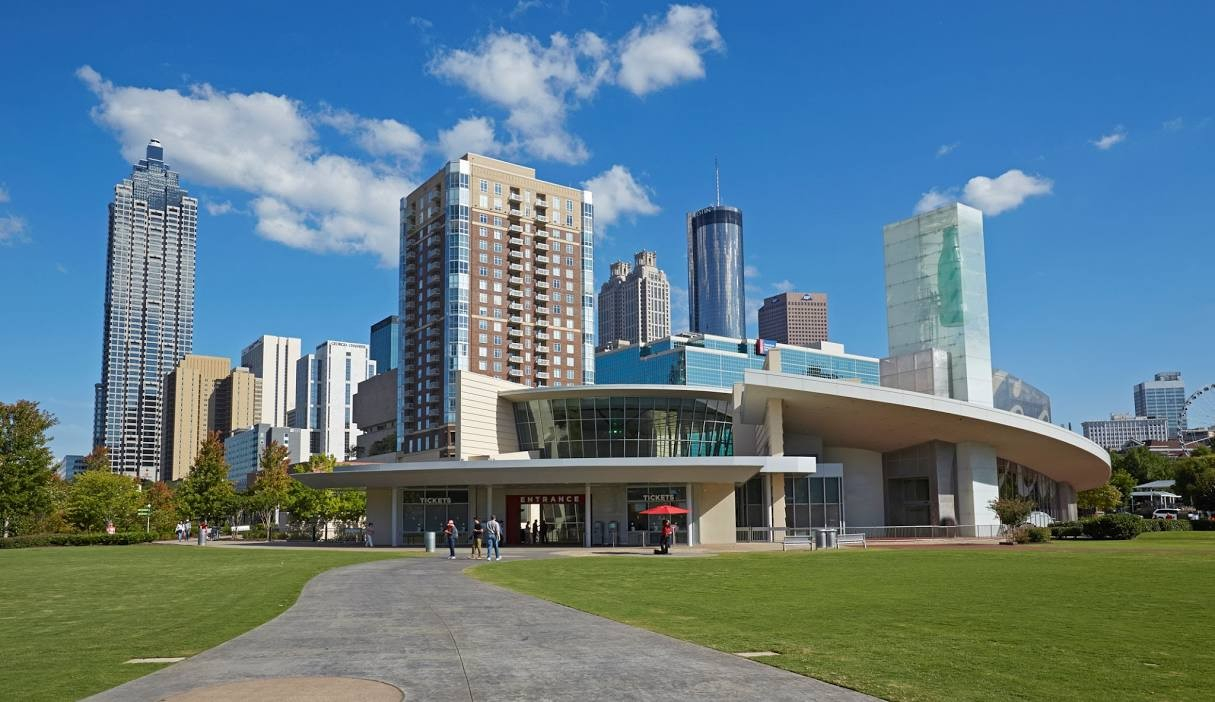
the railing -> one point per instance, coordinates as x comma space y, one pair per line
745, 535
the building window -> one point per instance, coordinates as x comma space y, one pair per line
812, 502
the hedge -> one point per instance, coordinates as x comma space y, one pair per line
1166, 525
1202, 524
1115, 526
1066, 530
102, 539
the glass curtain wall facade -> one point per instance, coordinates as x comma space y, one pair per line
643, 497
149, 311
812, 502
428, 509
936, 294
386, 343
716, 303
625, 427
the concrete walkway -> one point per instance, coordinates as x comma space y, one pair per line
423, 626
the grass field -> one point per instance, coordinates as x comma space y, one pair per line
69, 617
1060, 621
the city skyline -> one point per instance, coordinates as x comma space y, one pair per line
1094, 195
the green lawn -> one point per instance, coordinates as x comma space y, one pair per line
69, 617
1060, 621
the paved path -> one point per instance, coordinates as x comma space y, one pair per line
420, 624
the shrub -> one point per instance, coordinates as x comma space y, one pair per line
1203, 524
1012, 511
1037, 535
1115, 526
1167, 525
87, 539
1067, 530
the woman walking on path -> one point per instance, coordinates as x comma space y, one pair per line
477, 533
452, 533
667, 533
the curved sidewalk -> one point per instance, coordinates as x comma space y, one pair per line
421, 625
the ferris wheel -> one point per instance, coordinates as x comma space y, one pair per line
1198, 415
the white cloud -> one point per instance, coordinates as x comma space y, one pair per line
784, 286
750, 271
378, 137
421, 23
538, 83
946, 149
61, 268
662, 53
13, 230
1174, 125
523, 6
266, 145
935, 198
1108, 141
616, 195
992, 195
1005, 192
3, 193
219, 208
475, 134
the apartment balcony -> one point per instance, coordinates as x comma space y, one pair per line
517, 267
516, 280
516, 227
434, 372
541, 361
541, 246
541, 310
541, 285
514, 331
514, 293
541, 202
434, 292
514, 373
434, 306
516, 319
541, 348
541, 218
515, 253
541, 297
542, 375
541, 272
517, 306
515, 359
542, 335
541, 259
516, 241
516, 213
434, 266
514, 197
515, 346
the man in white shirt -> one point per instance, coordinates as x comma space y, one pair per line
493, 535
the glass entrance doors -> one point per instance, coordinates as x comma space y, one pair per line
546, 520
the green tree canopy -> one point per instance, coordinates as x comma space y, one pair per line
272, 487
321, 463
1125, 482
1144, 465
98, 459
206, 493
1106, 498
26, 464
98, 496
164, 506
1196, 481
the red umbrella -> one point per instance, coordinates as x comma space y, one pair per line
664, 509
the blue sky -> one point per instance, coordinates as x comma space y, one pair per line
298, 128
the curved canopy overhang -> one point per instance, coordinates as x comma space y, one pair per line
882, 419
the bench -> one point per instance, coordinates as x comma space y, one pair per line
797, 541
850, 540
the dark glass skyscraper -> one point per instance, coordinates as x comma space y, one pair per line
716, 303
149, 311
386, 343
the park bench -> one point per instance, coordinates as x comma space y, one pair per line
797, 541
850, 540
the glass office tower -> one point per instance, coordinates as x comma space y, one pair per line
936, 294
716, 302
1162, 397
386, 343
149, 311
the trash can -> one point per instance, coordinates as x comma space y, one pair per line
829, 538
820, 538
428, 538
612, 528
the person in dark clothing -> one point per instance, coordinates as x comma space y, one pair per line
543, 531
478, 532
667, 533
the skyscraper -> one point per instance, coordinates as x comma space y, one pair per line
716, 300
149, 311
386, 343
936, 297
273, 359
326, 381
497, 279
794, 318
203, 395
1162, 397
635, 303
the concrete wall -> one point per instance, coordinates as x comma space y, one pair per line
379, 511
803, 444
978, 483
714, 502
486, 422
864, 484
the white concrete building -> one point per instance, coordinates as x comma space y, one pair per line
243, 450
325, 383
1115, 433
273, 360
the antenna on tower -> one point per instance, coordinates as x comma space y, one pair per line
717, 180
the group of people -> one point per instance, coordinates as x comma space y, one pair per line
183, 531
489, 533
537, 533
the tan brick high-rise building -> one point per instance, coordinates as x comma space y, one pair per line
203, 395
794, 318
496, 278
635, 302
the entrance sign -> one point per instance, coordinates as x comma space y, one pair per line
550, 499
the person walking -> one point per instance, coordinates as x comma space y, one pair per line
493, 534
478, 533
177, 530
543, 530
368, 533
667, 532
202, 533
452, 533
185, 528
535, 532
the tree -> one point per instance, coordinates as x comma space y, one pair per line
1144, 465
272, 486
98, 497
98, 459
321, 463
1012, 511
206, 494
26, 464
164, 506
1196, 481
1106, 498
1125, 482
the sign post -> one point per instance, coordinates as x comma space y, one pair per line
146, 511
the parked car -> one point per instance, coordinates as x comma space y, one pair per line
1166, 513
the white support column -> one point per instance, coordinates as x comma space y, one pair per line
396, 516
978, 485
586, 519
489, 501
691, 521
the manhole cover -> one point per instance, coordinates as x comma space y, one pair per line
295, 690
